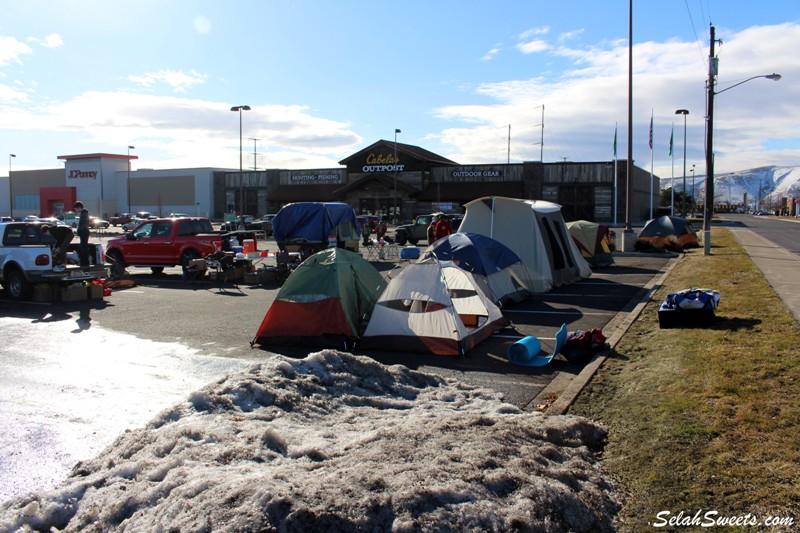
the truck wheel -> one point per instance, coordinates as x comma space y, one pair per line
186, 259
401, 239
117, 263
17, 286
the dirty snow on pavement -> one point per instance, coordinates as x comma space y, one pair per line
68, 388
335, 442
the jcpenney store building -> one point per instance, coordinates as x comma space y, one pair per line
385, 178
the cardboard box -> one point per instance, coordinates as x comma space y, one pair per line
95, 292
43, 292
197, 265
252, 278
261, 275
74, 294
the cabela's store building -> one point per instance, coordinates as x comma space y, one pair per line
390, 179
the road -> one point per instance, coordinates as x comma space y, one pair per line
73, 376
783, 232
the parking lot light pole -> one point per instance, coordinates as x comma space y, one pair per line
395, 217
10, 190
240, 108
129, 176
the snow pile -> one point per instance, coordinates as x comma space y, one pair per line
336, 442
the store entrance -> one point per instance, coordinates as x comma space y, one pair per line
381, 206
577, 202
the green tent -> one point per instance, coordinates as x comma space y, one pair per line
326, 301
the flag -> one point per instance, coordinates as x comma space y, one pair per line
651, 132
615, 142
671, 136
397, 131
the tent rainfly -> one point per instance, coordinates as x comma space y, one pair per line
433, 307
536, 232
507, 277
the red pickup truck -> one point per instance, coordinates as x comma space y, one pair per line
163, 242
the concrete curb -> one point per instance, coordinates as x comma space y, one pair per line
567, 390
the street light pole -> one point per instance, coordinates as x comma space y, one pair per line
240, 108
683, 112
713, 64
395, 218
129, 176
694, 193
10, 190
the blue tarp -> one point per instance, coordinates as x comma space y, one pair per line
315, 222
474, 252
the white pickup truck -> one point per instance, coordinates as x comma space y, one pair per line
26, 258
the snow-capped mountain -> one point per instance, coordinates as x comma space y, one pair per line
765, 183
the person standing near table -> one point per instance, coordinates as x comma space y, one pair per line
83, 233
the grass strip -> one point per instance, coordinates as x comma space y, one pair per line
705, 418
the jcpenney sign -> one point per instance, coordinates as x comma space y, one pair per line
78, 174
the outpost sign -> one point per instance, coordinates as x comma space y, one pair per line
382, 163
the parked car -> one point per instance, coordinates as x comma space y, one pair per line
164, 242
120, 218
418, 230
243, 222
133, 223
266, 224
98, 223
26, 259
177, 215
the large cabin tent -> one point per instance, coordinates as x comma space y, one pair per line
536, 232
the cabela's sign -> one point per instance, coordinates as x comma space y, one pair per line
76, 174
382, 163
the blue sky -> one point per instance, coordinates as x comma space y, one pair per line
465, 79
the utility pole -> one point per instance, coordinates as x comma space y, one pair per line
713, 64
255, 153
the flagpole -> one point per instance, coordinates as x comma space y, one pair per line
651, 163
615, 173
672, 180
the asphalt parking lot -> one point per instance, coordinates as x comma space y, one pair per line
222, 320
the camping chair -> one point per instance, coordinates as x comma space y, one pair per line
223, 264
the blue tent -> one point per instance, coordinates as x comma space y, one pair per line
314, 223
504, 271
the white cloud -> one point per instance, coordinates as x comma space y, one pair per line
583, 104
569, 35
541, 30
53, 40
178, 80
12, 50
532, 47
179, 132
488, 56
